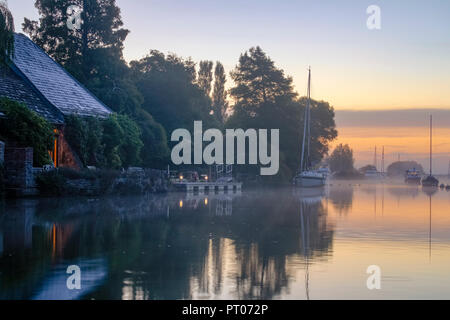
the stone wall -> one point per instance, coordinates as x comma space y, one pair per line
2, 152
19, 168
120, 183
140, 182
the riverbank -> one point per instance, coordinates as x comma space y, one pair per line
98, 182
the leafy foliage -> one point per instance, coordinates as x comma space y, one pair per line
114, 142
265, 99
2, 179
6, 35
26, 128
98, 41
55, 183
205, 76
171, 95
52, 183
161, 93
341, 159
258, 80
85, 137
155, 153
219, 95
94, 56
399, 168
130, 140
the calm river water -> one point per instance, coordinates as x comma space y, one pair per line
272, 244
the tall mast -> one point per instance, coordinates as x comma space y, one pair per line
449, 169
431, 145
375, 159
308, 158
306, 129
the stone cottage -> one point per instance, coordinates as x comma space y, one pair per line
36, 80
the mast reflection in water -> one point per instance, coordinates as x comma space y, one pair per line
271, 244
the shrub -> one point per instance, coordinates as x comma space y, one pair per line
85, 137
52, 183
114, 142
2, 179
27, 129
56, 182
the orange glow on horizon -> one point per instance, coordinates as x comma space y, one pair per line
411, 143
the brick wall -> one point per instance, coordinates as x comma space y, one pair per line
19, 167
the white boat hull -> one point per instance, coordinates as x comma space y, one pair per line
310, 182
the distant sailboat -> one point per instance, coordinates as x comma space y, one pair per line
431, 181
307, 177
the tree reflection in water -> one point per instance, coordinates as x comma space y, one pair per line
164, 247
342, 198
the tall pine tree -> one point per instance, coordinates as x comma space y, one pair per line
258, 80
6, 34
99, 38
265, 98
93, 53
205, 76
219, 95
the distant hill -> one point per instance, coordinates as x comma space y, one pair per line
399, 168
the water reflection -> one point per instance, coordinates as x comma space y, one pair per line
342, 198
168, 247
254, 245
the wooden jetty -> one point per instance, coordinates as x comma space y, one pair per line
203, 187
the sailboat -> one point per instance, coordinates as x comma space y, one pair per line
307, 177
431, 181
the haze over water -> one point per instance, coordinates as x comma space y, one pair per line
271, 244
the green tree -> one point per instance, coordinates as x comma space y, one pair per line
85, 137
341, 159
94, 55
112, 140
156, 152
205, 76
258, 80
399, 168
26, 129
264, 98
219, 95
171, 95
6, 34
100, 35
130, 142
76, 133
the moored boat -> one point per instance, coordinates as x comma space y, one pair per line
308, 178
430, 181
413, 176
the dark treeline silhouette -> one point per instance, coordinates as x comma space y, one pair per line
161, 93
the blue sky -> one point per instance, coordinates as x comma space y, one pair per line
406, 64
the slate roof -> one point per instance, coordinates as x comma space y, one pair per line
53, 83
15, 88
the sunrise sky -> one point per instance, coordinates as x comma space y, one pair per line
405, 65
